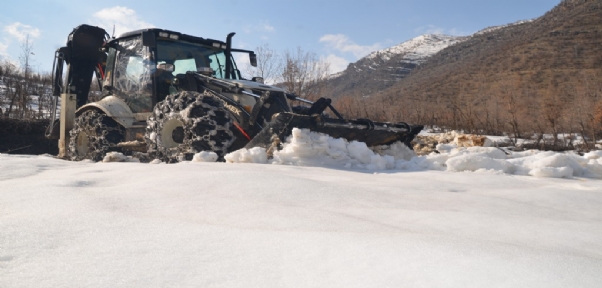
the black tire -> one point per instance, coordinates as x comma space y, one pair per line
186, 123
93, 135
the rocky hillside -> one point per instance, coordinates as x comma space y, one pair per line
539, 77
382, 69
556, 54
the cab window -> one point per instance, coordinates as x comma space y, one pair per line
131, 77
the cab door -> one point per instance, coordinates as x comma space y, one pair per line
131, 74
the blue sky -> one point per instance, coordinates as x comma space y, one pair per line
340, 31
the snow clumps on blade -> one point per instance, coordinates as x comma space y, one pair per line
308, 148
205, 156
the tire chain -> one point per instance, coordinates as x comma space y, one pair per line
206, 126
92, 123
172, 103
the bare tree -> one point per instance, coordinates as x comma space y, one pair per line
43, 89
20, 85
20, 88
304, 73
11, 81
26, 53
269, 64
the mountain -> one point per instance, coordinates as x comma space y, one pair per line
381, 69
529, 79
414, 51
556, 54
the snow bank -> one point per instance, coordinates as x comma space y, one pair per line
306, 148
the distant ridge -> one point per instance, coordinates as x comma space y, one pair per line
381, 69
560, 50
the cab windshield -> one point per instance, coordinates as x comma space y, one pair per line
187, 56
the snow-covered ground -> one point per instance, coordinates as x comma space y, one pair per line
322, 213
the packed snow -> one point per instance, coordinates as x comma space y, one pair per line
321, 212
307, 148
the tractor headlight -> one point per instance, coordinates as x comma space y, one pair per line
170, 36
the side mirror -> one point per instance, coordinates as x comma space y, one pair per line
258, 80
253, 59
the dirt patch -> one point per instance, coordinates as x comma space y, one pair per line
25, 137
426, 144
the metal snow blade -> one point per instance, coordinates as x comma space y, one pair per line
363, 130
281, 124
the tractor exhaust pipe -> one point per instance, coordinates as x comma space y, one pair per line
229, 55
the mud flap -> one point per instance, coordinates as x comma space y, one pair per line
363, 130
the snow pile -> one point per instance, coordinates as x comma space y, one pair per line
253, 155
205, 156
534, 163
306, 148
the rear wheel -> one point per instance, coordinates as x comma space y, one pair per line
92, 136
186, 123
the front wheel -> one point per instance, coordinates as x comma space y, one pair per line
93, 135
186, 123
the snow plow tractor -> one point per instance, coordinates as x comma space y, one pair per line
171, 95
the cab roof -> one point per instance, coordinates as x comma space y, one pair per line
181, 36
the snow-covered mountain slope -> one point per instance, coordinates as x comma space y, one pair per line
494, 28
383, 68
417, 50
407, 54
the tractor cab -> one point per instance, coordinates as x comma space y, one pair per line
145, 66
